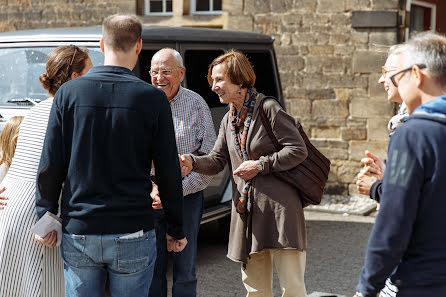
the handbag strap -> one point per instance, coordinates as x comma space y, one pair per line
267, 125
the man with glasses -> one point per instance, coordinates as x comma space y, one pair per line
194, 131
407, 242
369, 179
102, 136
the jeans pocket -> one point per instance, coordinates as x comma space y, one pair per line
133, 254
73, 247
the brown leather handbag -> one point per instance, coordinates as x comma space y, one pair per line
310, 176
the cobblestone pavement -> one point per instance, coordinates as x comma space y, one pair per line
336, 246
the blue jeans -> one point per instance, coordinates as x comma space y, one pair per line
184, 278
89, 258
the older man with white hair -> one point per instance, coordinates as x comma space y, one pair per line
194, 132
407, 243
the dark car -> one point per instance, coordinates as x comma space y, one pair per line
23, 55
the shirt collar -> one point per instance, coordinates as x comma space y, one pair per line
111, 68
178, 95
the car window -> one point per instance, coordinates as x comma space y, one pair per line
20, 70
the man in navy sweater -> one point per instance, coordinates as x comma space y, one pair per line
103, 132
408, 243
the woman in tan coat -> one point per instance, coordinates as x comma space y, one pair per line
267, 222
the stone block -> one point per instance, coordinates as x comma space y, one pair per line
257, 6
305, 5
292, 18
285, 39
374, 19
313, 18
330, 6
357, 4
353, 133
299, 108
341, 49
292, 61
347, 174
281, 5
321, 49
341, 94
233, 7
341, 19
303, 38
367, 61
327, 108
339, 38
316, 80
385, 4
294, 92
322, 38
360, 37
314, 94
388, 37
358, 148
377, 129
357, 93
375, 88
313, 64
335, 64
288, 50
326, 133
240, 23
333, 174
335, 153
330, 144
370, 108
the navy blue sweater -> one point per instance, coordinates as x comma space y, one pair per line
104, 130
408, 241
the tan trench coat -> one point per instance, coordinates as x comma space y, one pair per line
276, 220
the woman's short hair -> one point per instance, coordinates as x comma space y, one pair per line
238, 68
61, 63
121, 32
9, 134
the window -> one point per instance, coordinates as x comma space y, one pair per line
206, 6
422, 16
158, 7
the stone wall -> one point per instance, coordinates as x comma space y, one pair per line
32, 14
329, 71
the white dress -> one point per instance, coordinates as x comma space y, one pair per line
27, 268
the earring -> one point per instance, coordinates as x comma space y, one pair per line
240, 91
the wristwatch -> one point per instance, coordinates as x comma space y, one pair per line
259, 165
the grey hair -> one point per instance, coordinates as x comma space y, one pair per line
174, 53
396, 49
429, 49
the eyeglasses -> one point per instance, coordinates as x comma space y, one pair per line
393, 77
384, 71
162, 72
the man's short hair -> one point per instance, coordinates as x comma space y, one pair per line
121, 32
429, 49
174, 53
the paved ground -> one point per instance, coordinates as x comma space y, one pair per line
336, 245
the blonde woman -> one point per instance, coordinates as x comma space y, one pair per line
8, 142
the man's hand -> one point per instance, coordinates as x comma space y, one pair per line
365, 182
247, 170
2, 199
175, 245
49, 240
186, 165
373, 165
155, 195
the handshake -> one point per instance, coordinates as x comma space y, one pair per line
185, 164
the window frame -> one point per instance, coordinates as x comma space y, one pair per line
163, 13
433, 8
193, 5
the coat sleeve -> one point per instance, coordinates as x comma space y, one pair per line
168, 174
52, 170
401, 193
217, 159
284, 128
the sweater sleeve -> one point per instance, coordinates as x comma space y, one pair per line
52, 170
376, 190
168, 174
401, 192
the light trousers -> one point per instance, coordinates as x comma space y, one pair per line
290, 266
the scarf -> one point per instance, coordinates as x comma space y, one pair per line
398, 119
242, 120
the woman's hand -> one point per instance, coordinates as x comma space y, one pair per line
373, 165
186, 165
155, 194
247, 170
49, 240
2, 199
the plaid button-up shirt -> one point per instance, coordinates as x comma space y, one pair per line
194, 133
